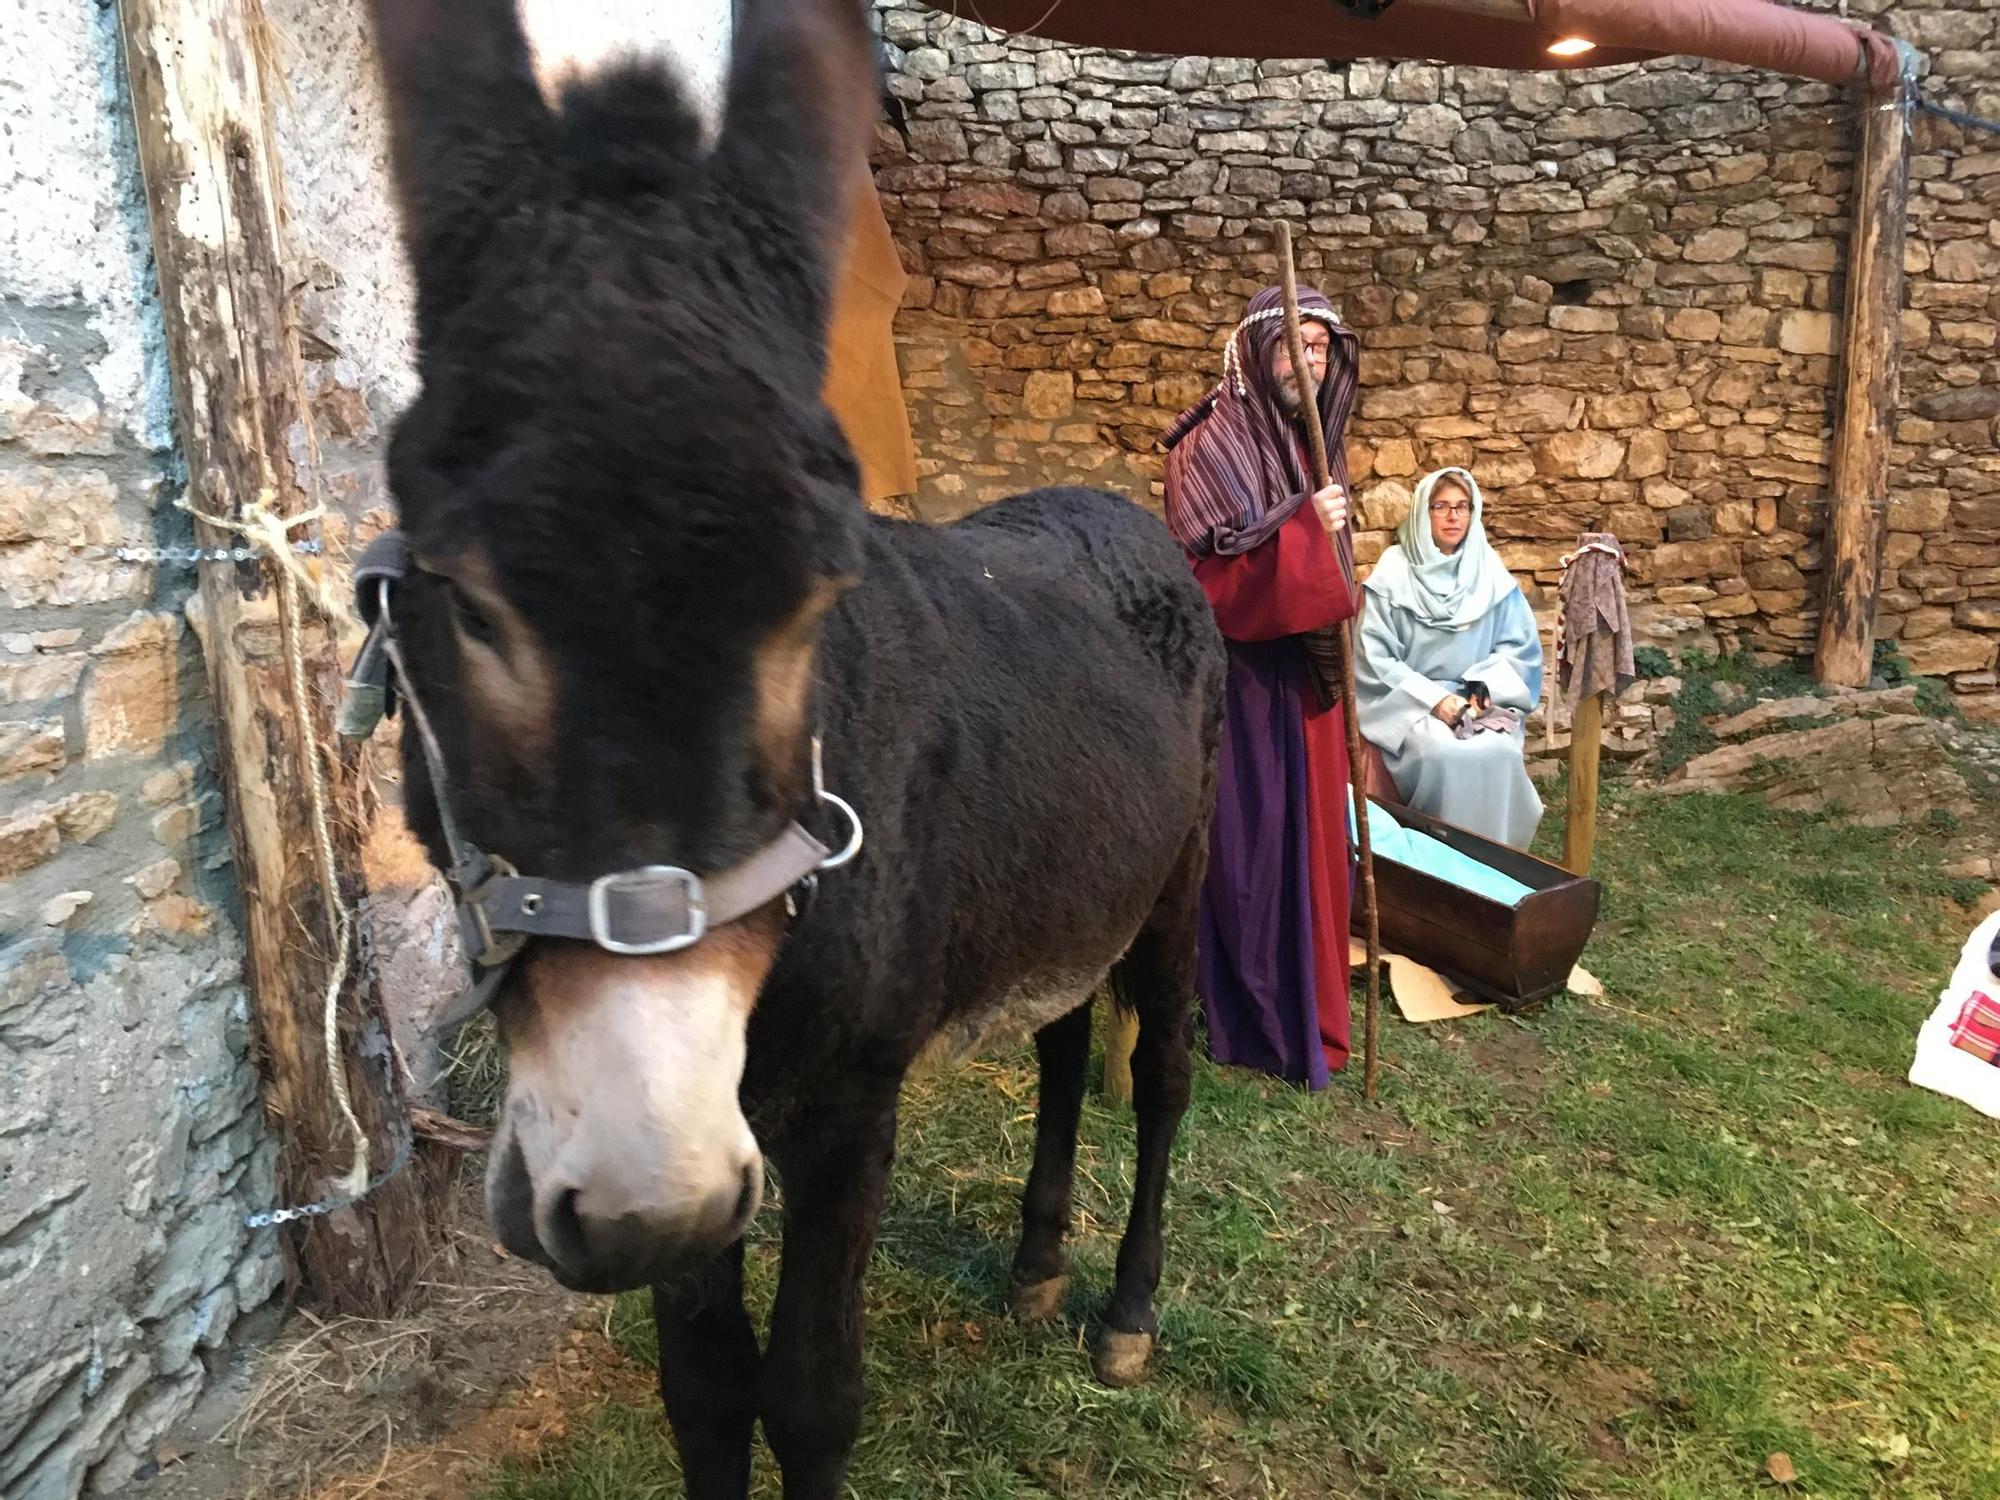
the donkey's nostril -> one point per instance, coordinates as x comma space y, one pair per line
562, 1231
746, 1201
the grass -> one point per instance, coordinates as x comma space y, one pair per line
1622, 1249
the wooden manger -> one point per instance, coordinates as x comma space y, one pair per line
1512, 956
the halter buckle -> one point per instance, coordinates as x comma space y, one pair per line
485, 950
645, 881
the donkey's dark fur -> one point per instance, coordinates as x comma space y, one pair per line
621, 345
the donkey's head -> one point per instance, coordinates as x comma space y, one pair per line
627, 512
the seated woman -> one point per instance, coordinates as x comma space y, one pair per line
1448, 646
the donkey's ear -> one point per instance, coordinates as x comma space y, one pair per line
800, 109
468, 125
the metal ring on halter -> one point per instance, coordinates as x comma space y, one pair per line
846, 855
853, 847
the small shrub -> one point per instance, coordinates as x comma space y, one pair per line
1651, 661
1934, 699
1889, 664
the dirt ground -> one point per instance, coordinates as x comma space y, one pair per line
493, 1361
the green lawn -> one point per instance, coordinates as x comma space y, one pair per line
1627, 1248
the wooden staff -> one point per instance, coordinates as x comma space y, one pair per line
1586, 745
1295, 344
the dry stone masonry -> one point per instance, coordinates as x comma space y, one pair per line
1615, 295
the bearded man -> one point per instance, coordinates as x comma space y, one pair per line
1275, 556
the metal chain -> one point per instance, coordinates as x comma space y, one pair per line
275, 1216
192, 555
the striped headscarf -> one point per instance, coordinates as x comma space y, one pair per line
1237, 463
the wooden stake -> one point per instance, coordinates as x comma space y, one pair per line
1586, 746
216, 205
1870, 354
1357, 774
1121, 1040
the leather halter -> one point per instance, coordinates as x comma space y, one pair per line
650, 910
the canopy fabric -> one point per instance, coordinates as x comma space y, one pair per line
863, 388
1758, 33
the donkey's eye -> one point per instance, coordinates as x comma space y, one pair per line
470, 618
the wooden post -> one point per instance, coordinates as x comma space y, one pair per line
215, 200
1852, 566
1586, 744
1121, 1040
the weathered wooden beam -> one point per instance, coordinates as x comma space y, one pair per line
1870, 356
215, 200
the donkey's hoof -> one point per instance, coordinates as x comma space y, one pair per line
1040, 1302
1120, 1359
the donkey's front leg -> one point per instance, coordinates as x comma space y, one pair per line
811, 1385
708, 1375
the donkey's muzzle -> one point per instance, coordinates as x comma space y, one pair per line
596, 1245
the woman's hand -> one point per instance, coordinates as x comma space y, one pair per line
1448, 709
1331, 504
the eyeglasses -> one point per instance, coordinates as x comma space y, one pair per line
1452, 508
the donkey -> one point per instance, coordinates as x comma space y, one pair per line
640, 590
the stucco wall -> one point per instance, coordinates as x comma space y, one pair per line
131, 1135
132, 1139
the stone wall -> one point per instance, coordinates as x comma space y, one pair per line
131, 1135
1614, 294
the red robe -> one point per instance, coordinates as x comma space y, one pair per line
1289, 585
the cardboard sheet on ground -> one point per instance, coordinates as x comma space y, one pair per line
1423, 995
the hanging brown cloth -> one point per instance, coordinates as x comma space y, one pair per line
864, 387
1593, 626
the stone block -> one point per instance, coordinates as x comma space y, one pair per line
28, 838
1583, 319
1923, 622
1801, 332
1418, 400
1527, 345
1950, 651
1695, 325
1583, 454
985, 274
1688, 523
39, 678
1646, 454
1382, 507
1967, 261
1968, 404
1536, 409
1396, 457
77, 509
1716, 246
83, 816
1541, 197
1705, 560
59, 910
1602, 123
1162, 331
35, 747
130, 700
1050, 394
1919, 510
1430, 125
